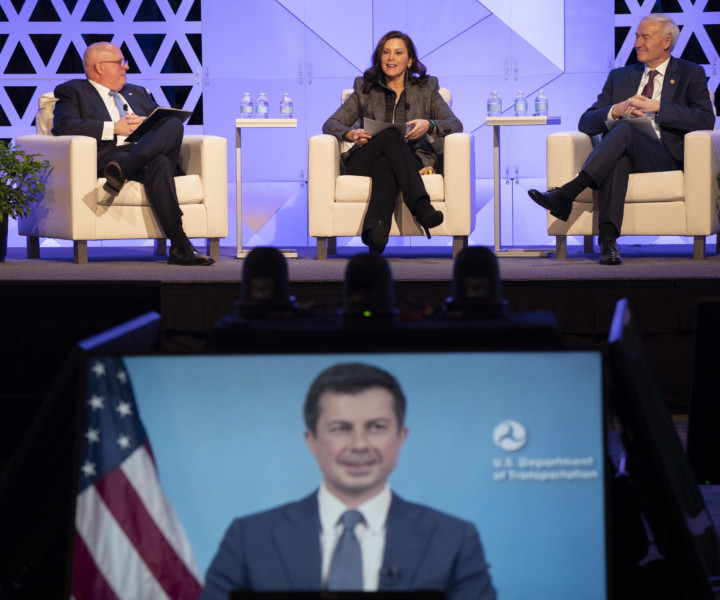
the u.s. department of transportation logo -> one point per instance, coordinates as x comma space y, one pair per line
510, 436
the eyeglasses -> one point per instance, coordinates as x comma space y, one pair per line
120, 63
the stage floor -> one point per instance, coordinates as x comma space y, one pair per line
668, 262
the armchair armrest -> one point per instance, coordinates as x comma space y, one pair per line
68, 205
323, 171
459, 181
566, 153
702, 164
206, 156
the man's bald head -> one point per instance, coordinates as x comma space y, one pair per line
104, 63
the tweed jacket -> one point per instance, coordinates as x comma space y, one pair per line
416, 102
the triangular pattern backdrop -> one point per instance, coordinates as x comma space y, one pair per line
42, 43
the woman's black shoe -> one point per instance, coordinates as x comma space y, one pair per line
375, 238
426, 216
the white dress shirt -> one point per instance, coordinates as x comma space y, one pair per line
657, 87
108, 127
371, 534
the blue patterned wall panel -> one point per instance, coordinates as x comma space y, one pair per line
435, 25
346, 26
540, 23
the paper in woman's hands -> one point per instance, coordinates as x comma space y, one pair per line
374, 127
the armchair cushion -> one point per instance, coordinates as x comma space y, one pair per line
189, 191
354, 188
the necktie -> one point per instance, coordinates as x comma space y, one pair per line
346, 565
119, 103
649, 87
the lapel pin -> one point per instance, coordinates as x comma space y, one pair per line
672, 82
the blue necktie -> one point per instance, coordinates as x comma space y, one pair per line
346, 565
119, 103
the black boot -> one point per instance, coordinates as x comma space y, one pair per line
375, 237
426, 216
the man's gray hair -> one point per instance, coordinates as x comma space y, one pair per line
667, 27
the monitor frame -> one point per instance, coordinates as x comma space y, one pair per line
660, 474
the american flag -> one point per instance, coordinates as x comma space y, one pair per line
129, 543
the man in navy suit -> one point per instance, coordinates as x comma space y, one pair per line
672, 91
105, 107
354, 415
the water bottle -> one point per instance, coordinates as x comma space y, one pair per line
494, 105
541, 104
286, 107
262, 107
247, 108
520, 105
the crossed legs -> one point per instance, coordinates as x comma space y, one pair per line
153, 161
393, 167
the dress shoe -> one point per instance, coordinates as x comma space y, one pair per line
186, 255
426, 216
375, 238
554, 201
113, 172
609, 253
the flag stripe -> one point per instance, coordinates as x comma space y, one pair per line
140, 470
160, 558
131, 543
111, 550
88, 581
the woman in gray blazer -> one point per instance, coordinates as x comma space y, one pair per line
395, 89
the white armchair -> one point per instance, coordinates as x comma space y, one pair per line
75, 206
665, 203
337, 203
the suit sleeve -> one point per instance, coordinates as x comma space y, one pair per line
140, 99
227, 570
592, 121
442, 114
692, 109
68, 114
471, 575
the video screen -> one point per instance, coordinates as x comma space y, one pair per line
496, 438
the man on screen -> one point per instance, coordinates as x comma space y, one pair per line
354, 533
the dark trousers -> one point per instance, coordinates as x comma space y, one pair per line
393, 166
622, 151
153, 161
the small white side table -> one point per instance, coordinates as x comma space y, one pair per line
496, 123
241, 124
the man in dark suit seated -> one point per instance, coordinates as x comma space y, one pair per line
672, 92
104, 107
354, 533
